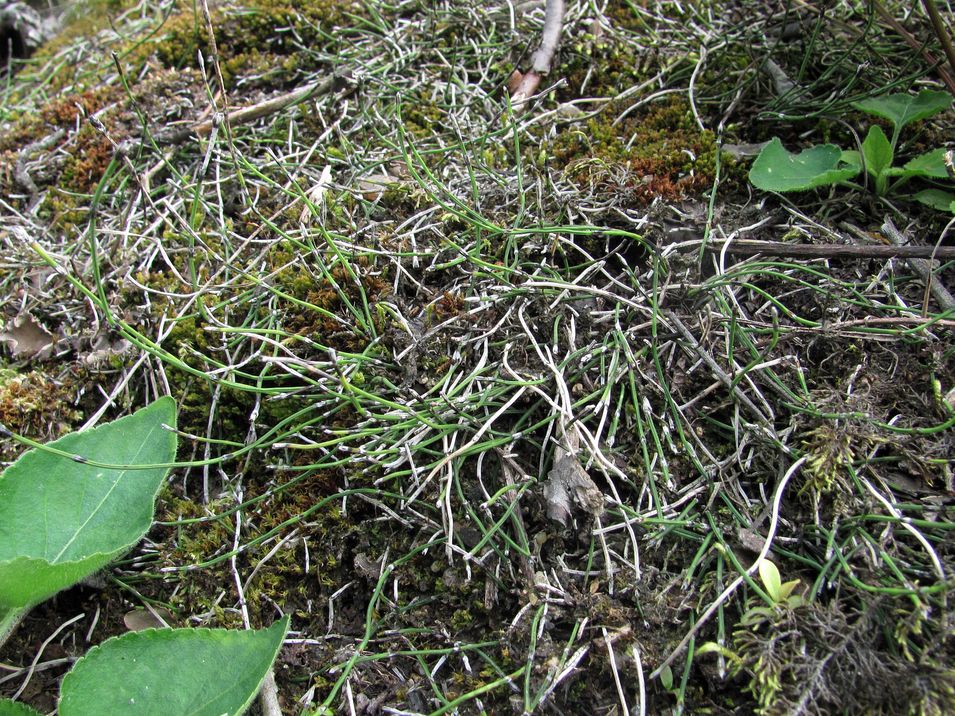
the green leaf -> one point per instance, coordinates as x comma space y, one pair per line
775, 169
666, 677
851, 158
930, 164
877, 151
903, 109
937, 199
770, 577
795, 601
711, 647
786, 589
201, 672
15, 708
61, 520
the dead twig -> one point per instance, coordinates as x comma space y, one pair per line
923, 267
715, 368
269, 696
523, 86
746, 247
20, 172
244, 115
942, 33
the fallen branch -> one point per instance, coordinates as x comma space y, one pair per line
269, 696
942, 33
244, 115
923, 268
746, 247
523, 86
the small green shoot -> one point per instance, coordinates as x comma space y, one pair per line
666, 677
776, 169
772, 582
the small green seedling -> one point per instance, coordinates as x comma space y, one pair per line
780, 593
782, 598
776, 169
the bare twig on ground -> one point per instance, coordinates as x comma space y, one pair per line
941, 32
20, 172
524, 85
244, 115
745, 247
923, 267
269, 696
717, 371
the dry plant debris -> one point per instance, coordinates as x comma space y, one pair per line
502, 407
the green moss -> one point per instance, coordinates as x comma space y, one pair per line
597, 63
77, 159
461, 619
268, 40
35, 405
659, 152
83, 20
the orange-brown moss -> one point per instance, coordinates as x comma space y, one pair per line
659, 152
78, 159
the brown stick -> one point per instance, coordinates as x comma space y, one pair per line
745, 247
249, 114
526, 85
924, 270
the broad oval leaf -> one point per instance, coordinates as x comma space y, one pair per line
61, 520
902, 109
666, 677
201, 672
937, 199
15, 708
930, 164
877, 151
775, 169
769, 574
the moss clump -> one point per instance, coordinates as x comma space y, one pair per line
597, 66
317, 294
659, 152
35, 405
198, 591
270, 40
786, 651
77, 160
84, 22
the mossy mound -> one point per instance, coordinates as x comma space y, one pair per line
656, 152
